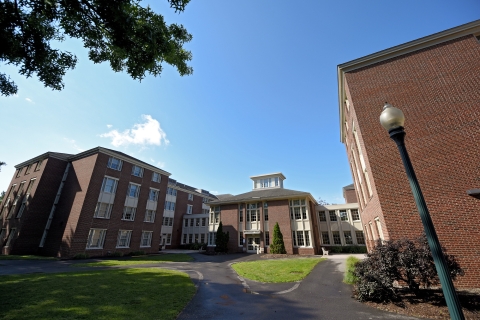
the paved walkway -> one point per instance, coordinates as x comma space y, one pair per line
222, 294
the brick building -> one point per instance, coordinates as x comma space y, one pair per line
435, 81
96, 202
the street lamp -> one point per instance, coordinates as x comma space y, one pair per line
392, 119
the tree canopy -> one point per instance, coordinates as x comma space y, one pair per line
130, 37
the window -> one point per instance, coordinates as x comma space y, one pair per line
149, 216
240, 239
6, 201
153, 195
333, 216
360, 237
240, 214
39, 165
18, 194
325, 238
343, 215
298, 209
202, 238
146, 239
171, 191
18, 172
348, 237
129, 213
204, 220
13, 231
123, 240
28, 169
109, 185
307, 238
25, 198
321, 215
195, 238
184, 237
190, 197
267, 238
192, 222
212, 238
96, 238
215, 215
169, 238
294, 238
336, 237
197, 222
103, 210
137, 171
205, 200
169, 205
133, 190
189, 208
276, 181
115, 164
156, 177
168, 222
265, 211
355, 215
379, 228
300, 241
205, 211
190, 238
186, 223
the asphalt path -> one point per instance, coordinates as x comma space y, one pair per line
222, 294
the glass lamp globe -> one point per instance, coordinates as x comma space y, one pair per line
391, 117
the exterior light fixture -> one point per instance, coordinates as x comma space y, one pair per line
392, 119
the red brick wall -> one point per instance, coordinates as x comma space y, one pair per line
229, 217
278, 211
437, 89
31, 225
350, 196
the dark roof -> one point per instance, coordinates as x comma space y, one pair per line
261, 194
189, 188
57, 155
224, 196
349, 187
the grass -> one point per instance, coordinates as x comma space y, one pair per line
129, 261
349, 277
281, 270
145, 293
26, 257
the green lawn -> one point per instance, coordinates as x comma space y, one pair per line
28, 257
128, 261
282, 270
146, 293
349, 276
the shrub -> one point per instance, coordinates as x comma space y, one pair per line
404, 261
277, 246
350, 277
137, 253
117, 254
347, 249
221, 241
80, 256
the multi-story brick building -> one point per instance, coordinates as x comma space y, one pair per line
250, 217
435, 81
97, 202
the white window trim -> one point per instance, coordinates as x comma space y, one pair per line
189, 209
149, 239
157, 193
152, 220
159, 177
92, 231
109, 164
134, 211
115, 184
140, 174
137, 193
127, 242
109, 210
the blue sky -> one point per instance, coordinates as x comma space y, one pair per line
262, 98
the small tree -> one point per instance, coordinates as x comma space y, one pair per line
405, 261
277, 246
221, 241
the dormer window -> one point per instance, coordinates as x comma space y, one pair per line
272, 180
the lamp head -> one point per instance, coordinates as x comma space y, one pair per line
391, 117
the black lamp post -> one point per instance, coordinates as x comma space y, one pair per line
393, 119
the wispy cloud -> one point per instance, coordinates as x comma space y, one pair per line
147, 133
74, 145
29, 100
161, 164
109, 126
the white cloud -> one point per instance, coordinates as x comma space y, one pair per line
74, 144
109, 126
29, 100
146, 133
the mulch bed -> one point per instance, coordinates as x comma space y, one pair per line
430, 304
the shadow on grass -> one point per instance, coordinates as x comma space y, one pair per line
147, 293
